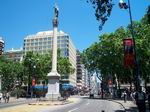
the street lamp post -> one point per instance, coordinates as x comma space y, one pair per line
29, 77
125, 6
33, 81
17, 87
43, 83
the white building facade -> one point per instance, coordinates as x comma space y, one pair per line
1, 46
42, 43
14, 54
82, 74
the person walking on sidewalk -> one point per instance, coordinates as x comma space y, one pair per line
7, 97
148, 99
1, 96
124, 96
4, 97
140, 98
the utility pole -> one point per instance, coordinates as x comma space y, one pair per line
123, 5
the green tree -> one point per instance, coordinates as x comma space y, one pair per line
40, 65
142, 35
106, 56
10, 72
146, 18
103, 10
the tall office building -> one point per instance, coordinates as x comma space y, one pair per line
42, 43
82, 74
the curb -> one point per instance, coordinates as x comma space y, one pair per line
118, 103
50, 104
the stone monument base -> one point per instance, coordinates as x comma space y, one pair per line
53, 86
51, 96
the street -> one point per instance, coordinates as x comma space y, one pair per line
89, 105
77, 104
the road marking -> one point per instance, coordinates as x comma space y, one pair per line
87, 103
73, 109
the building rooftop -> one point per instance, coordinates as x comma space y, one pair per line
39, 34
1, 40
15, 50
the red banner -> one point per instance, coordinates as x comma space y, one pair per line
110, 82
129, 55
33, 82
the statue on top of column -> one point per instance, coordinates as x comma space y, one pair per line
56, 11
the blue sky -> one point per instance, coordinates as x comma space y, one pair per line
19, 18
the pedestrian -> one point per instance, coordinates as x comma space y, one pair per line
7, 97
132, 95
124, 96
140, 98
149, 99
4, 97
1, 96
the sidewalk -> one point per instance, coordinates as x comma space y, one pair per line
129, 106
14, 99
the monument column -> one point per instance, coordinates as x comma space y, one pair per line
53, 77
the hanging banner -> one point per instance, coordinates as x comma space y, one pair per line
109, 82
129, 54
33, 82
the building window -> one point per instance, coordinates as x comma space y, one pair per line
28, 40
44, 47
63, 41
32, 44
49, 38
58, 37
49, 42
49, 47
36, 43
45, 43
45, 39
40, 43
40, 48
58, 41
63, 45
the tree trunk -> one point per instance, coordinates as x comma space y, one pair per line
145, 84
102, 90
130, 85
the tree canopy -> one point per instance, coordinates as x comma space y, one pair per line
107, 55
33, 66
103, 10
